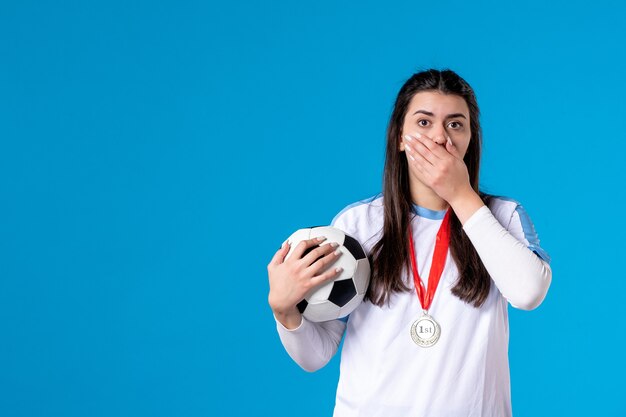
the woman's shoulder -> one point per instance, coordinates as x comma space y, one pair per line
501, 206
512, 215
360, 207
363, 219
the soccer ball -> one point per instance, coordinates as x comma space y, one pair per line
338, 298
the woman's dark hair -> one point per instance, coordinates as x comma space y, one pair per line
387, 257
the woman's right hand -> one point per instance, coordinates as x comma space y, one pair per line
291, 279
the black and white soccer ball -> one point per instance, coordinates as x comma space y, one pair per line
337, 298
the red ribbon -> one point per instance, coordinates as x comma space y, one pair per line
442, 244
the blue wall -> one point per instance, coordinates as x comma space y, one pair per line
154, 155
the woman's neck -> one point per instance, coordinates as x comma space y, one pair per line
424, 196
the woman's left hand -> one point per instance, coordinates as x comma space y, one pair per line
440, 167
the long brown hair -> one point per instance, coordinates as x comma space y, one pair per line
388, 256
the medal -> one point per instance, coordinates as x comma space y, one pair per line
425, 331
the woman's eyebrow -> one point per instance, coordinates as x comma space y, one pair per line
450, 116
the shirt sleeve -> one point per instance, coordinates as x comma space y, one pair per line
518, 266
311, 345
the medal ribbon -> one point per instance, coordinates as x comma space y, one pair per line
442, 244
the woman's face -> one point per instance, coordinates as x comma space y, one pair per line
438, 116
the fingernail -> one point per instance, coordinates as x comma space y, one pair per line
408, 138
319, 239
449, 141
411, 156
417, 135
408, 148
338, 252
339, 269
334, 244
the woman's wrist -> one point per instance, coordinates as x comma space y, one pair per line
466, 203
290, 319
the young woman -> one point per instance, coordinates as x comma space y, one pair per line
431, 337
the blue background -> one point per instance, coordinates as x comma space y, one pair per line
154, 155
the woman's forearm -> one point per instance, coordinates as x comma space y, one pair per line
522, 277
311, 345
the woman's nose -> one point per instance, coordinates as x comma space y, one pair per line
438, 134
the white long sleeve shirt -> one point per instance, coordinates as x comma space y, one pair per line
466, 373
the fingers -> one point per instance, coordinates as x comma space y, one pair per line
416, 147
314, 261
326, 276
304, 245
324, 256
453, 149
318, 253
421, 163
421, 166
298, 251
426, 146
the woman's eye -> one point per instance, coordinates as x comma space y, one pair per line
422, 122
455, 125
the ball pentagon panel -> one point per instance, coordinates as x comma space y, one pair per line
342, 292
